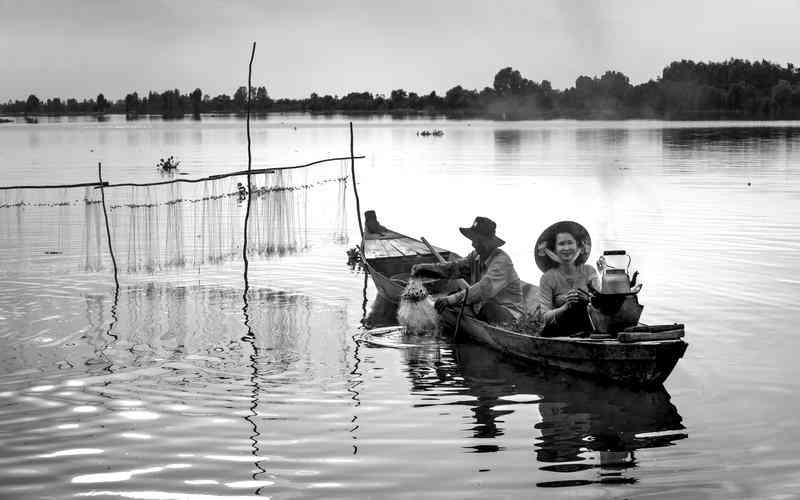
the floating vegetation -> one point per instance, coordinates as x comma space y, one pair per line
168, 165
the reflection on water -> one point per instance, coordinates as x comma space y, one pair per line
172, 388
584, 424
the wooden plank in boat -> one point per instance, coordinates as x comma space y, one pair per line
378, 249
392, 244
627, 337
406, 247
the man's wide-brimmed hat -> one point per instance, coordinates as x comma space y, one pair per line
547, 240
482, 228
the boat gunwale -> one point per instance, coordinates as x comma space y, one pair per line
614, 343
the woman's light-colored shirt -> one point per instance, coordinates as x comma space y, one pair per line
554, 285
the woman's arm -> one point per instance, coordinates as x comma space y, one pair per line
546, 299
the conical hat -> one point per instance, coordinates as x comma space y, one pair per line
548, 240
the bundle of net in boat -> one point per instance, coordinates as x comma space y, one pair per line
416, 311
48, 229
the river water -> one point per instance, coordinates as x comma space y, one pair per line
180, 387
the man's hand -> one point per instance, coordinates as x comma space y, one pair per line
440, 304
416, 269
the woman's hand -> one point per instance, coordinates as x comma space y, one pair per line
575, 297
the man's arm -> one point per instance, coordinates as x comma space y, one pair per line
453, 269
495, 279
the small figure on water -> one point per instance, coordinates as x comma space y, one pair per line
495, 291
242, 191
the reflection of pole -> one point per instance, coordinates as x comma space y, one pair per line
250, 338
108, 229
364, 298
355, 187
354, 380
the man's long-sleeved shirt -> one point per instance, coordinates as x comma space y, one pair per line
492, 280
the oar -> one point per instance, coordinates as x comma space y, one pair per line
460, 282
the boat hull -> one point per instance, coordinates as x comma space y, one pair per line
636, 364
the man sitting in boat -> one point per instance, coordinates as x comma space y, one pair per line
561, 253
495, 291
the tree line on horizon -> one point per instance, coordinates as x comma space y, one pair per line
732, 89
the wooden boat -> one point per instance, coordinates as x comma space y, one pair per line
636, 359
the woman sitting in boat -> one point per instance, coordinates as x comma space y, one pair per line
561, 253
495, 291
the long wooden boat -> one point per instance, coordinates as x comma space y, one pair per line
388, 256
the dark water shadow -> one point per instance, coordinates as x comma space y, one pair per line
579, 416
726, 137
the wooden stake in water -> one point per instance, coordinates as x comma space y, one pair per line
108, 229
249, 168
355, 188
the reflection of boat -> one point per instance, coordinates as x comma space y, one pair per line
389, 255
577, 414
581, 419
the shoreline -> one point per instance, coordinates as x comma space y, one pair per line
689, 117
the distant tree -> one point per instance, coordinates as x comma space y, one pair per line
508, 81
172, 104
458, 98
32, 104
54, 106
781, 98
240, 99
398, 99
196, 99
132, 104
101, 103
221, 103
154, 103
262, 102
614, 84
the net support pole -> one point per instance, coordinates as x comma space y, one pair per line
108, 228
249, 169
355, 188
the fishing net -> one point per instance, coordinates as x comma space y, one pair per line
530, 322
177, 224
416, 311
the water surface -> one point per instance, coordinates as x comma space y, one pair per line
172, 387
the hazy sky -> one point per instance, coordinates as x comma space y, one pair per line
79, 48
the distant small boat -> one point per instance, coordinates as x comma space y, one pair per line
643, 358
31, 119
435, 133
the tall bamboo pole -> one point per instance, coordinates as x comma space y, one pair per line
108, 229
355, 187
249, 169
